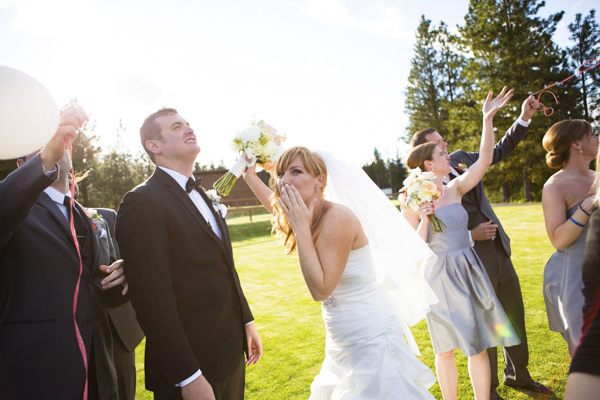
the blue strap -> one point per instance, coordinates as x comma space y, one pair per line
576, 223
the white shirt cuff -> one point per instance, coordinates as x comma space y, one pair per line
471, 240
249, 322
524, 123
189, 380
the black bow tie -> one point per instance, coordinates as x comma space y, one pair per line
193, 184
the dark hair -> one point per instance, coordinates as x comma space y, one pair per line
419, 137
150, 130
557, 141
419, 154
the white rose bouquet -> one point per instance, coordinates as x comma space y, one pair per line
420, 188
258, 142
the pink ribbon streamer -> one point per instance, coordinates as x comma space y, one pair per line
69, 146
545, 90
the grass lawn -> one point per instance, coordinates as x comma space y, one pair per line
293, 334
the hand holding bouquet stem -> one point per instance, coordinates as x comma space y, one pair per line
420, 189
259, 143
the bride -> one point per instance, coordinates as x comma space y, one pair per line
360, 258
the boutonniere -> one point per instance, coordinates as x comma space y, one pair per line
215, 199
94, 216
462, 165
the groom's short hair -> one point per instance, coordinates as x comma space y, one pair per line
419, 137
150, 130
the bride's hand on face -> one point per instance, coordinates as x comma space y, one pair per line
298, 214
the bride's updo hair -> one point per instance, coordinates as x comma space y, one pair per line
419, 154
557, 141
315, 166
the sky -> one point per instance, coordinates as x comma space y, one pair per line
327, 73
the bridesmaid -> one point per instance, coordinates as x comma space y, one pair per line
469, 316
567, 202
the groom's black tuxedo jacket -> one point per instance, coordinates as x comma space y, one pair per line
183, 284
39, 268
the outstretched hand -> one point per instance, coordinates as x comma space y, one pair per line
297, 213
491, 107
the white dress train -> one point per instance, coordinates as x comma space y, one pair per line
366, 353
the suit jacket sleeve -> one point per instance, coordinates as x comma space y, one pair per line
502, 149
18, 194
143, 241
591, 271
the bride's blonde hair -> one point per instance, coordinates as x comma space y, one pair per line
315, 166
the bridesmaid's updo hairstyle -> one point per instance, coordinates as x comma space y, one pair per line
419, 154
557, 141
315, 166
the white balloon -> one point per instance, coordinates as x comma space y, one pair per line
29, 116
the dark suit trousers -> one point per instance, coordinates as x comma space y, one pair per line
506, 284
125, 366
231, 388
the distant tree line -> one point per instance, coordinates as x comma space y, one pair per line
108, 175
502, 42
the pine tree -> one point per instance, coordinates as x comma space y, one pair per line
424, 90
512, 46
586, 35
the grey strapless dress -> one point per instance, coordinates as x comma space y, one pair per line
562, 289
469, 316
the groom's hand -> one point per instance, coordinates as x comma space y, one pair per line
484, 231
254, 344
198, 389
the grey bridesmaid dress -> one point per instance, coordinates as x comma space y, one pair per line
468, 316
563, 283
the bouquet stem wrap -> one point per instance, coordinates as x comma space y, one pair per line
225, 183
437, 226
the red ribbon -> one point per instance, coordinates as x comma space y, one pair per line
544, 90
69, 146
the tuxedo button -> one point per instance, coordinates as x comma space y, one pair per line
238, 308
88, 319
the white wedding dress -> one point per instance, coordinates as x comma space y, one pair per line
366, 353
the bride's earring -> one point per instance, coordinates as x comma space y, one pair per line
580, 151
317, 189
432, 170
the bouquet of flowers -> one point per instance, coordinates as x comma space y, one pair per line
258, 142
419, 188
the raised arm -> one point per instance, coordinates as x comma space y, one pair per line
475, 173
262, 191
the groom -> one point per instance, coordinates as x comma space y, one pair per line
492, 245
183, 283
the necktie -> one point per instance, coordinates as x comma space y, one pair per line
193, 184
80, 227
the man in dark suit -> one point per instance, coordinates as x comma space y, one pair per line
44, 348
126, 331
184, 286
492, 245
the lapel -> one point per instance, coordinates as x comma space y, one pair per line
46, 202
91, 236
220, 221
49, 204
183, 197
